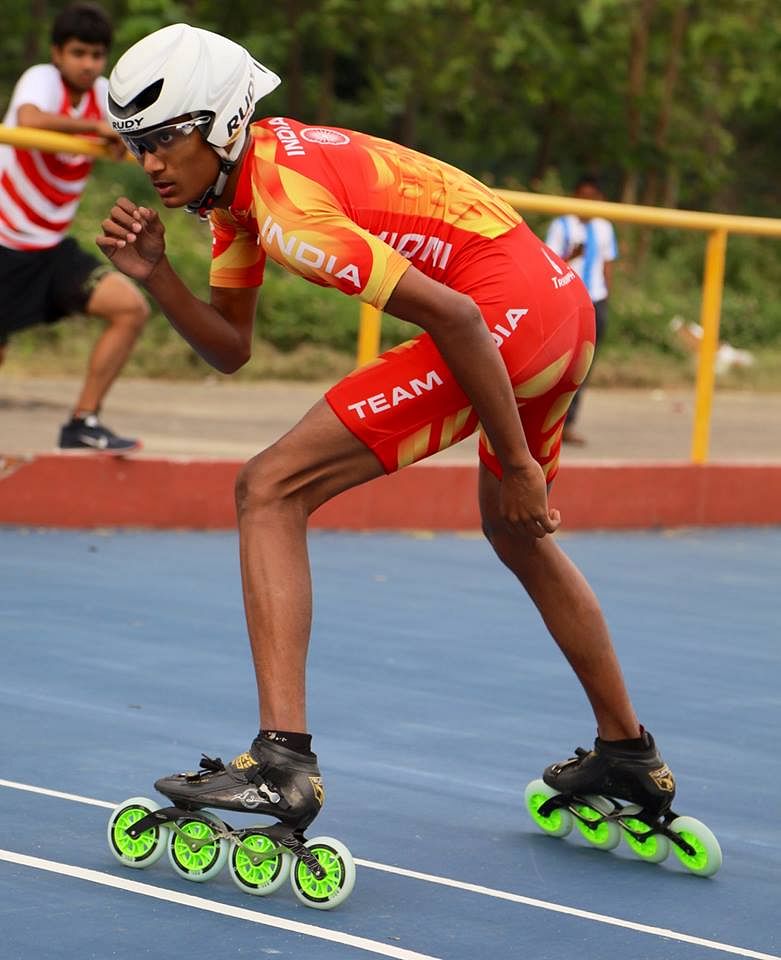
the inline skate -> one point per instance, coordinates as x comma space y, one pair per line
268, 779
585, 791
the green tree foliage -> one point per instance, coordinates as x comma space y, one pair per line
674, 101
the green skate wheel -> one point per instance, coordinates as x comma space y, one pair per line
197, 849
558, 823
605, 835
256, 864
706, 859
339, 880
652, 847
144, 850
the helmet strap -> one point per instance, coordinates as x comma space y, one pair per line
213, 193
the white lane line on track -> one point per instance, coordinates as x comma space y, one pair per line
482, 891
213, 906
56, 793
570, 911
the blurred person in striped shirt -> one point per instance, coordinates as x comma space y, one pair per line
45, 276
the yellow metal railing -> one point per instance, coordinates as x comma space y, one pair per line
716, 225
30, 138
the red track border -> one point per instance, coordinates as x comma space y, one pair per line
87, 491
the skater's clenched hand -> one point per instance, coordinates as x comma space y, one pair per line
133, 239
523, 501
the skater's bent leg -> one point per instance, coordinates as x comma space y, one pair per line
570, 611
275, 494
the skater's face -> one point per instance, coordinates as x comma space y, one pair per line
177, 160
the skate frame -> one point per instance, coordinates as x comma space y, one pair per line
281, 835
658, 823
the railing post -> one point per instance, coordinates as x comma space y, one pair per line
710, 313
368, 334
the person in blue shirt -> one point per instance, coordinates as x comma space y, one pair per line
589, 245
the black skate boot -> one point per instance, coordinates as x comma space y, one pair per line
640, 776
612, 791
268, 779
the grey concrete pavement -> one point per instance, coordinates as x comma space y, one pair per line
223, 419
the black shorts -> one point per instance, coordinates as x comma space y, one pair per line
43, 286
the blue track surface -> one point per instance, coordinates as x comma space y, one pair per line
435, 695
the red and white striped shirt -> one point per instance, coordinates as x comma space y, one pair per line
40, 192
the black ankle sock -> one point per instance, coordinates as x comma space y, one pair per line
636, 743
300, 742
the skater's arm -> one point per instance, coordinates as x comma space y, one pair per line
220, 331
457, 327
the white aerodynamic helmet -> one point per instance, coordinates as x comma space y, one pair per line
183, 71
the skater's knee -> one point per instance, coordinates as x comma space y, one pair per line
489, 527
256, 486
509, 545
515, 550
265, 483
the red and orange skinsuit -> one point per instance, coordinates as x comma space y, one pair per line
348, 210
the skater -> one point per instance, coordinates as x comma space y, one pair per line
508, 336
